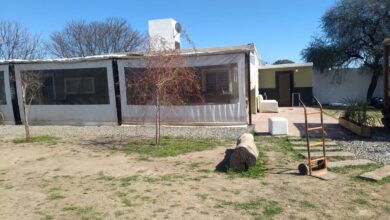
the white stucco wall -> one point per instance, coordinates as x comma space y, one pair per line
6, 109
329, 87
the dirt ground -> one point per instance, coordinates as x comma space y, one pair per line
90, 179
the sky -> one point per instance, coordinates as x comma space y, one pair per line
280, 29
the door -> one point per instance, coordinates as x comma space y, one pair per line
284, 84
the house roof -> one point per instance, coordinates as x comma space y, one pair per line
288, 65
184, 52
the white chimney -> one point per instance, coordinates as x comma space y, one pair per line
167, 29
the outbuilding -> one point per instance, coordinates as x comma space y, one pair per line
286, 83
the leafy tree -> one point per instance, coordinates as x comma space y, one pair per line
353, 32
16, 42
80, 39
283, 61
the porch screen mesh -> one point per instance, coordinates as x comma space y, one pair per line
2, 89
219, 85
87, 86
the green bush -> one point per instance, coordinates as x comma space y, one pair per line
357, 112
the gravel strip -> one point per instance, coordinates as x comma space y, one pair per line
378, 151
219, 132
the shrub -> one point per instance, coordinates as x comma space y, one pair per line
356, 112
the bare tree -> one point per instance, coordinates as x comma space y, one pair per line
31, 85
16, 42
166, 81
80, 39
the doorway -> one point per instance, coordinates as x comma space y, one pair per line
284, 86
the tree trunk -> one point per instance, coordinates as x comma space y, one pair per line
157, 120
372, 86
25, 114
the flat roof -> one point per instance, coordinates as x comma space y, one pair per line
287, 65
184, 52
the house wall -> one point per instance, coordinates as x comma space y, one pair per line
71, 114
254, 66
302, 81
6, 109
199, 114
337, 86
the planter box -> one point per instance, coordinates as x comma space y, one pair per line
361, 131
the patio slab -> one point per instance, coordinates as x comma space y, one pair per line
331, 154
347, 163
299, 148
296, 123
377, 174
303, 143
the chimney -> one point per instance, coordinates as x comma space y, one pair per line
167, 29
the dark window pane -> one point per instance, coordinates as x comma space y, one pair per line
72, 86
3, 101
219, 85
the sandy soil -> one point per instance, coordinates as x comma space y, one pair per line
90, 179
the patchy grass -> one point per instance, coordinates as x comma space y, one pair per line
78, 210
306, 204
361, 168
55, 196
169, 146
253, 172
125, 181
272, 208
269, 208
51, 140
361, 201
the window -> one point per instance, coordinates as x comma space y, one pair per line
87, 86
79, 85
217, 82
2, 89
220, 84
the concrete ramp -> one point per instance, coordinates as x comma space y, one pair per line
377, 174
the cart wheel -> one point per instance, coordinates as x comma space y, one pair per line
303, 169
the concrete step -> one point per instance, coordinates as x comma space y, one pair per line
303, 143
317, 149
377, 174
347, 163
343, 154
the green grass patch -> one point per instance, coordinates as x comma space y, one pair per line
55, 196
38, 139
170, 146
254, 206
272, 208
104, 177
77, 209
256, 171
361, 201
306, 204
360, 168
126, 181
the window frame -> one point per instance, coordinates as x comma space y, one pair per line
216, 71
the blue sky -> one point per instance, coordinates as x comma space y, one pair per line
279, 28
